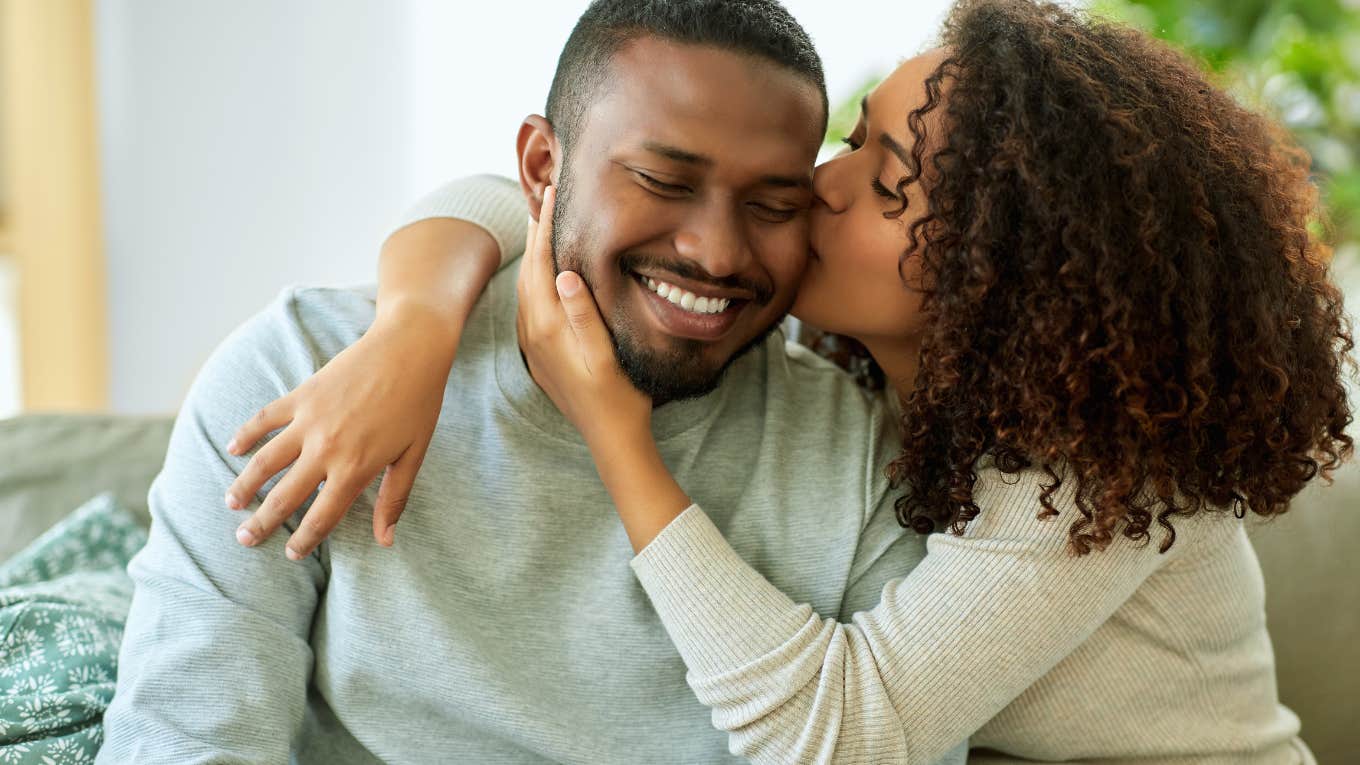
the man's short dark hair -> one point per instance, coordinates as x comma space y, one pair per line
760, 28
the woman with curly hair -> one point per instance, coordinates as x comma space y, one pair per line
1087, 277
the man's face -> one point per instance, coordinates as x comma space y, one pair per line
690, 175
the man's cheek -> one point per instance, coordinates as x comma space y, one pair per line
787, 248
784, 277
615, 296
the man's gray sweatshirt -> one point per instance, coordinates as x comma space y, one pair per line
505, 626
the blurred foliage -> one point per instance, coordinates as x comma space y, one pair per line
1299, 60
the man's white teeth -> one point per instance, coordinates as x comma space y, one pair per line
688, 300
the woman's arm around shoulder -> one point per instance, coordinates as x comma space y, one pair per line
372, 409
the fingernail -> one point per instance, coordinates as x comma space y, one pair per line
292, 554
568, 283
389, 535
244, 536
232, 446
233, 502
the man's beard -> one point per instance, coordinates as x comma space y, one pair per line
663, 375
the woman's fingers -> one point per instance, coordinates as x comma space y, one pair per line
530, 242
539, 316
274, 415
597, 349
542, 294
337, 494
523, 285
276, 455
286, 495
395, 490
539, 235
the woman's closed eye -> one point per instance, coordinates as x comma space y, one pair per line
876, 184
884, 191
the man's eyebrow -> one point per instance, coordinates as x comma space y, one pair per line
786, 182
677, 154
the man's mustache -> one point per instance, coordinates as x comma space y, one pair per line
629, 262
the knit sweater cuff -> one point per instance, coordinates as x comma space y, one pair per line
720, 612
490, 201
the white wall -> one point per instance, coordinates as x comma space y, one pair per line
250, 144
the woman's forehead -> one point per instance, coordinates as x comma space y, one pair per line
904, 89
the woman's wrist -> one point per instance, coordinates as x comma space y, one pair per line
645, 494
437, 327
626, 444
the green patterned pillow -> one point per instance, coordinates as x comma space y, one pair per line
63, 602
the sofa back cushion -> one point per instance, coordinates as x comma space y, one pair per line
1312, 575
51, 463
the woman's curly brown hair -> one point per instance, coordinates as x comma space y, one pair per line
1120, 284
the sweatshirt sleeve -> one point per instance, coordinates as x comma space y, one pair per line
982, 618
490, 201
216, 659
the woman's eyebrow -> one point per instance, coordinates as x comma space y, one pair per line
893, 146
888, 141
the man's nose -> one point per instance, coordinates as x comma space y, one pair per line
715, 237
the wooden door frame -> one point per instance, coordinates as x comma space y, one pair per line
55, 226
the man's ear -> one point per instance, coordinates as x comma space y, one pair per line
539, 159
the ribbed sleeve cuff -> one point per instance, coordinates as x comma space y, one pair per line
490, 201
719, 612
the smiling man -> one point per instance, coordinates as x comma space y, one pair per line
703, 157
506, 625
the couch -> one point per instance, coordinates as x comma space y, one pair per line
51, 463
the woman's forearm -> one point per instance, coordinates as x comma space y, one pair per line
645, 493
978, 621
435, 268
451, 242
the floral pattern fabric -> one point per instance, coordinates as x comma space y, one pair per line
63, 602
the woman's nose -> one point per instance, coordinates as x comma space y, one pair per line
828, 184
